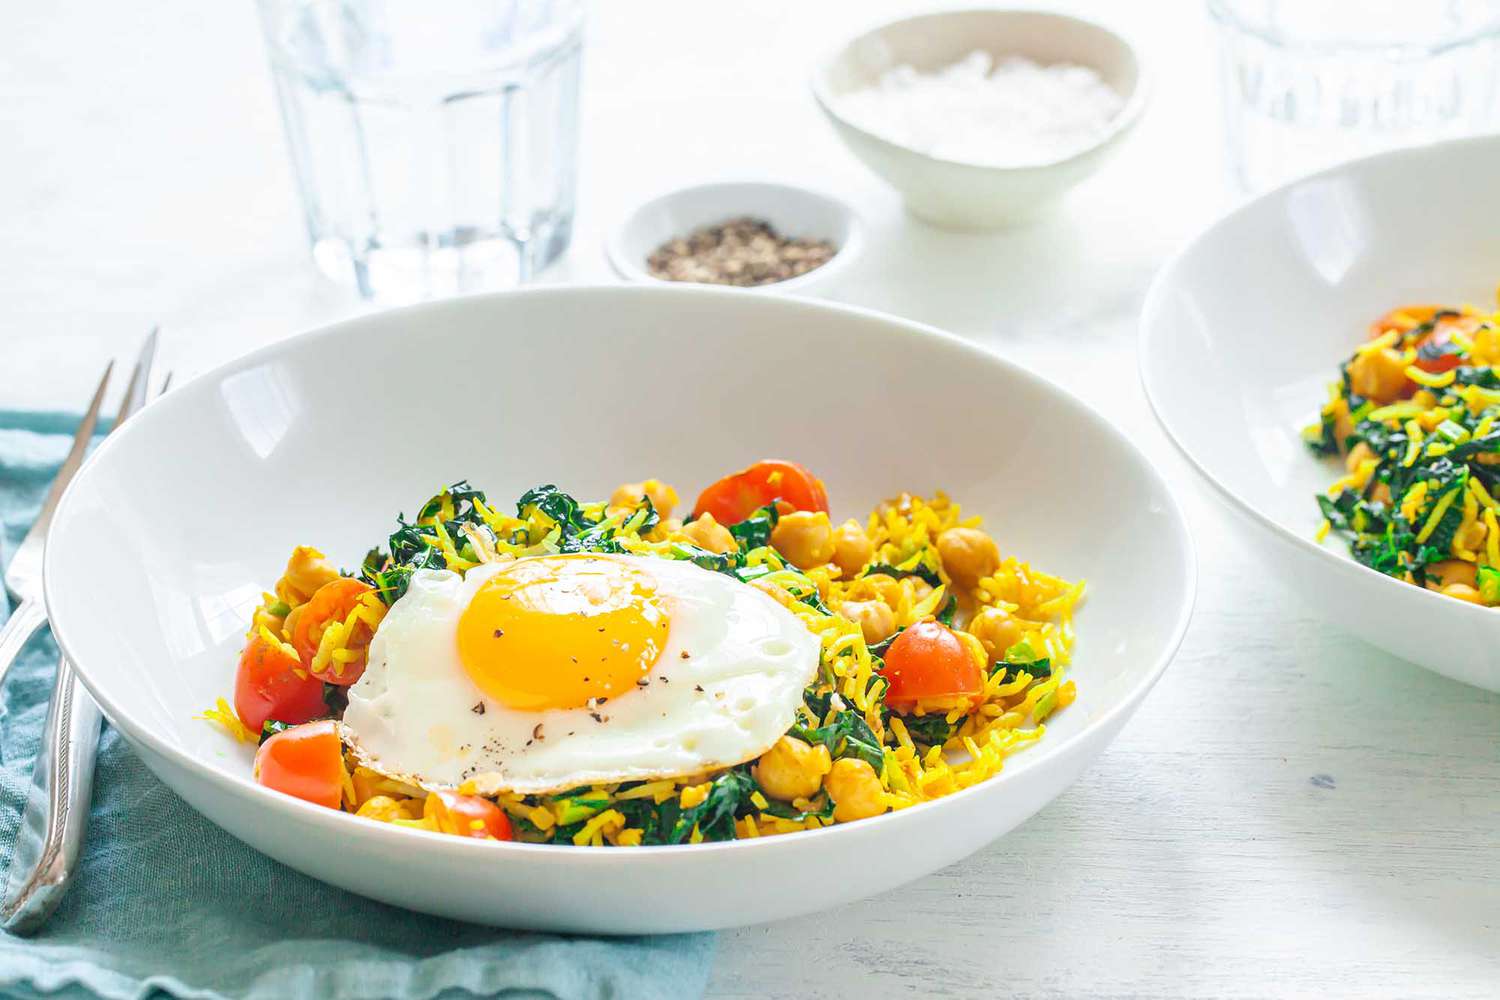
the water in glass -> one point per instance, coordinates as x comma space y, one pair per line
435, 143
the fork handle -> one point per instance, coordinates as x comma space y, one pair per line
22, 624
57, 809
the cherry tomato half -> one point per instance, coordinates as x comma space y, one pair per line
1434, 353
331, 603
306, 762
467, 816
272, 684
929, 661
1403, 318
737, 496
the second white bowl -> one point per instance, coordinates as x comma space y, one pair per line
1242, 333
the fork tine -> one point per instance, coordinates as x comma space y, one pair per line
140, 378
128, 403
70, 464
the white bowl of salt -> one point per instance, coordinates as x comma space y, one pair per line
983, 118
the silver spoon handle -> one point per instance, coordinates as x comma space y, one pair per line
46, 853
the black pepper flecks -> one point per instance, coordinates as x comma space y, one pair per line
741, 252
478, 709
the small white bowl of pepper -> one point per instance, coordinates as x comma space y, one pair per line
755, 235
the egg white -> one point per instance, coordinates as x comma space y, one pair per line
725, 687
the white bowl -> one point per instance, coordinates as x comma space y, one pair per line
792, 211
166, 539
1244, 330
960, 195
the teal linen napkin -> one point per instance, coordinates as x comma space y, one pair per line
167, 904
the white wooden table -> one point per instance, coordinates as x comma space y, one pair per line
1291, 812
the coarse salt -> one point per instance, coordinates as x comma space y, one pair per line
1014, 112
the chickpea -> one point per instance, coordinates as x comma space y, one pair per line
879, 586
777, 593
804, 537
792, 769
1472, 537
663, 498
855, 789
1463, 592
1378, 375
1381, 493
263, 618
875, 618
306, 571
1452, 571
997, 631
383, 808
917, 587
1359, 453
852, 548
707, 533
969, 555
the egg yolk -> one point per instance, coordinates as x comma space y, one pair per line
557, 631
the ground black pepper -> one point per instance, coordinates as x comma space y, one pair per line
744, 252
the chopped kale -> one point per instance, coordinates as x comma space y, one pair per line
754, 532
336, 697
714, 817
919, 571
848, 735
929, 730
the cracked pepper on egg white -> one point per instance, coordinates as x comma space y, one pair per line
553, 672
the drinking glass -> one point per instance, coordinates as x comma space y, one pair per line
1308, 83
435, 142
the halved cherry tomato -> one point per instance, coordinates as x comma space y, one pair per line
306, 762
1434, 354
737, 496
929, 661
272, 684
467, 816
1403, 318
330, 603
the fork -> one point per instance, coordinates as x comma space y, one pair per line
23, 577
56, 817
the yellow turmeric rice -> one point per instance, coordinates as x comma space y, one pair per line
916, 578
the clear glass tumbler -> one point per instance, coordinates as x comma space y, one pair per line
1309, 83
435, 142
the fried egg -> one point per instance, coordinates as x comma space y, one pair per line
552, 672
